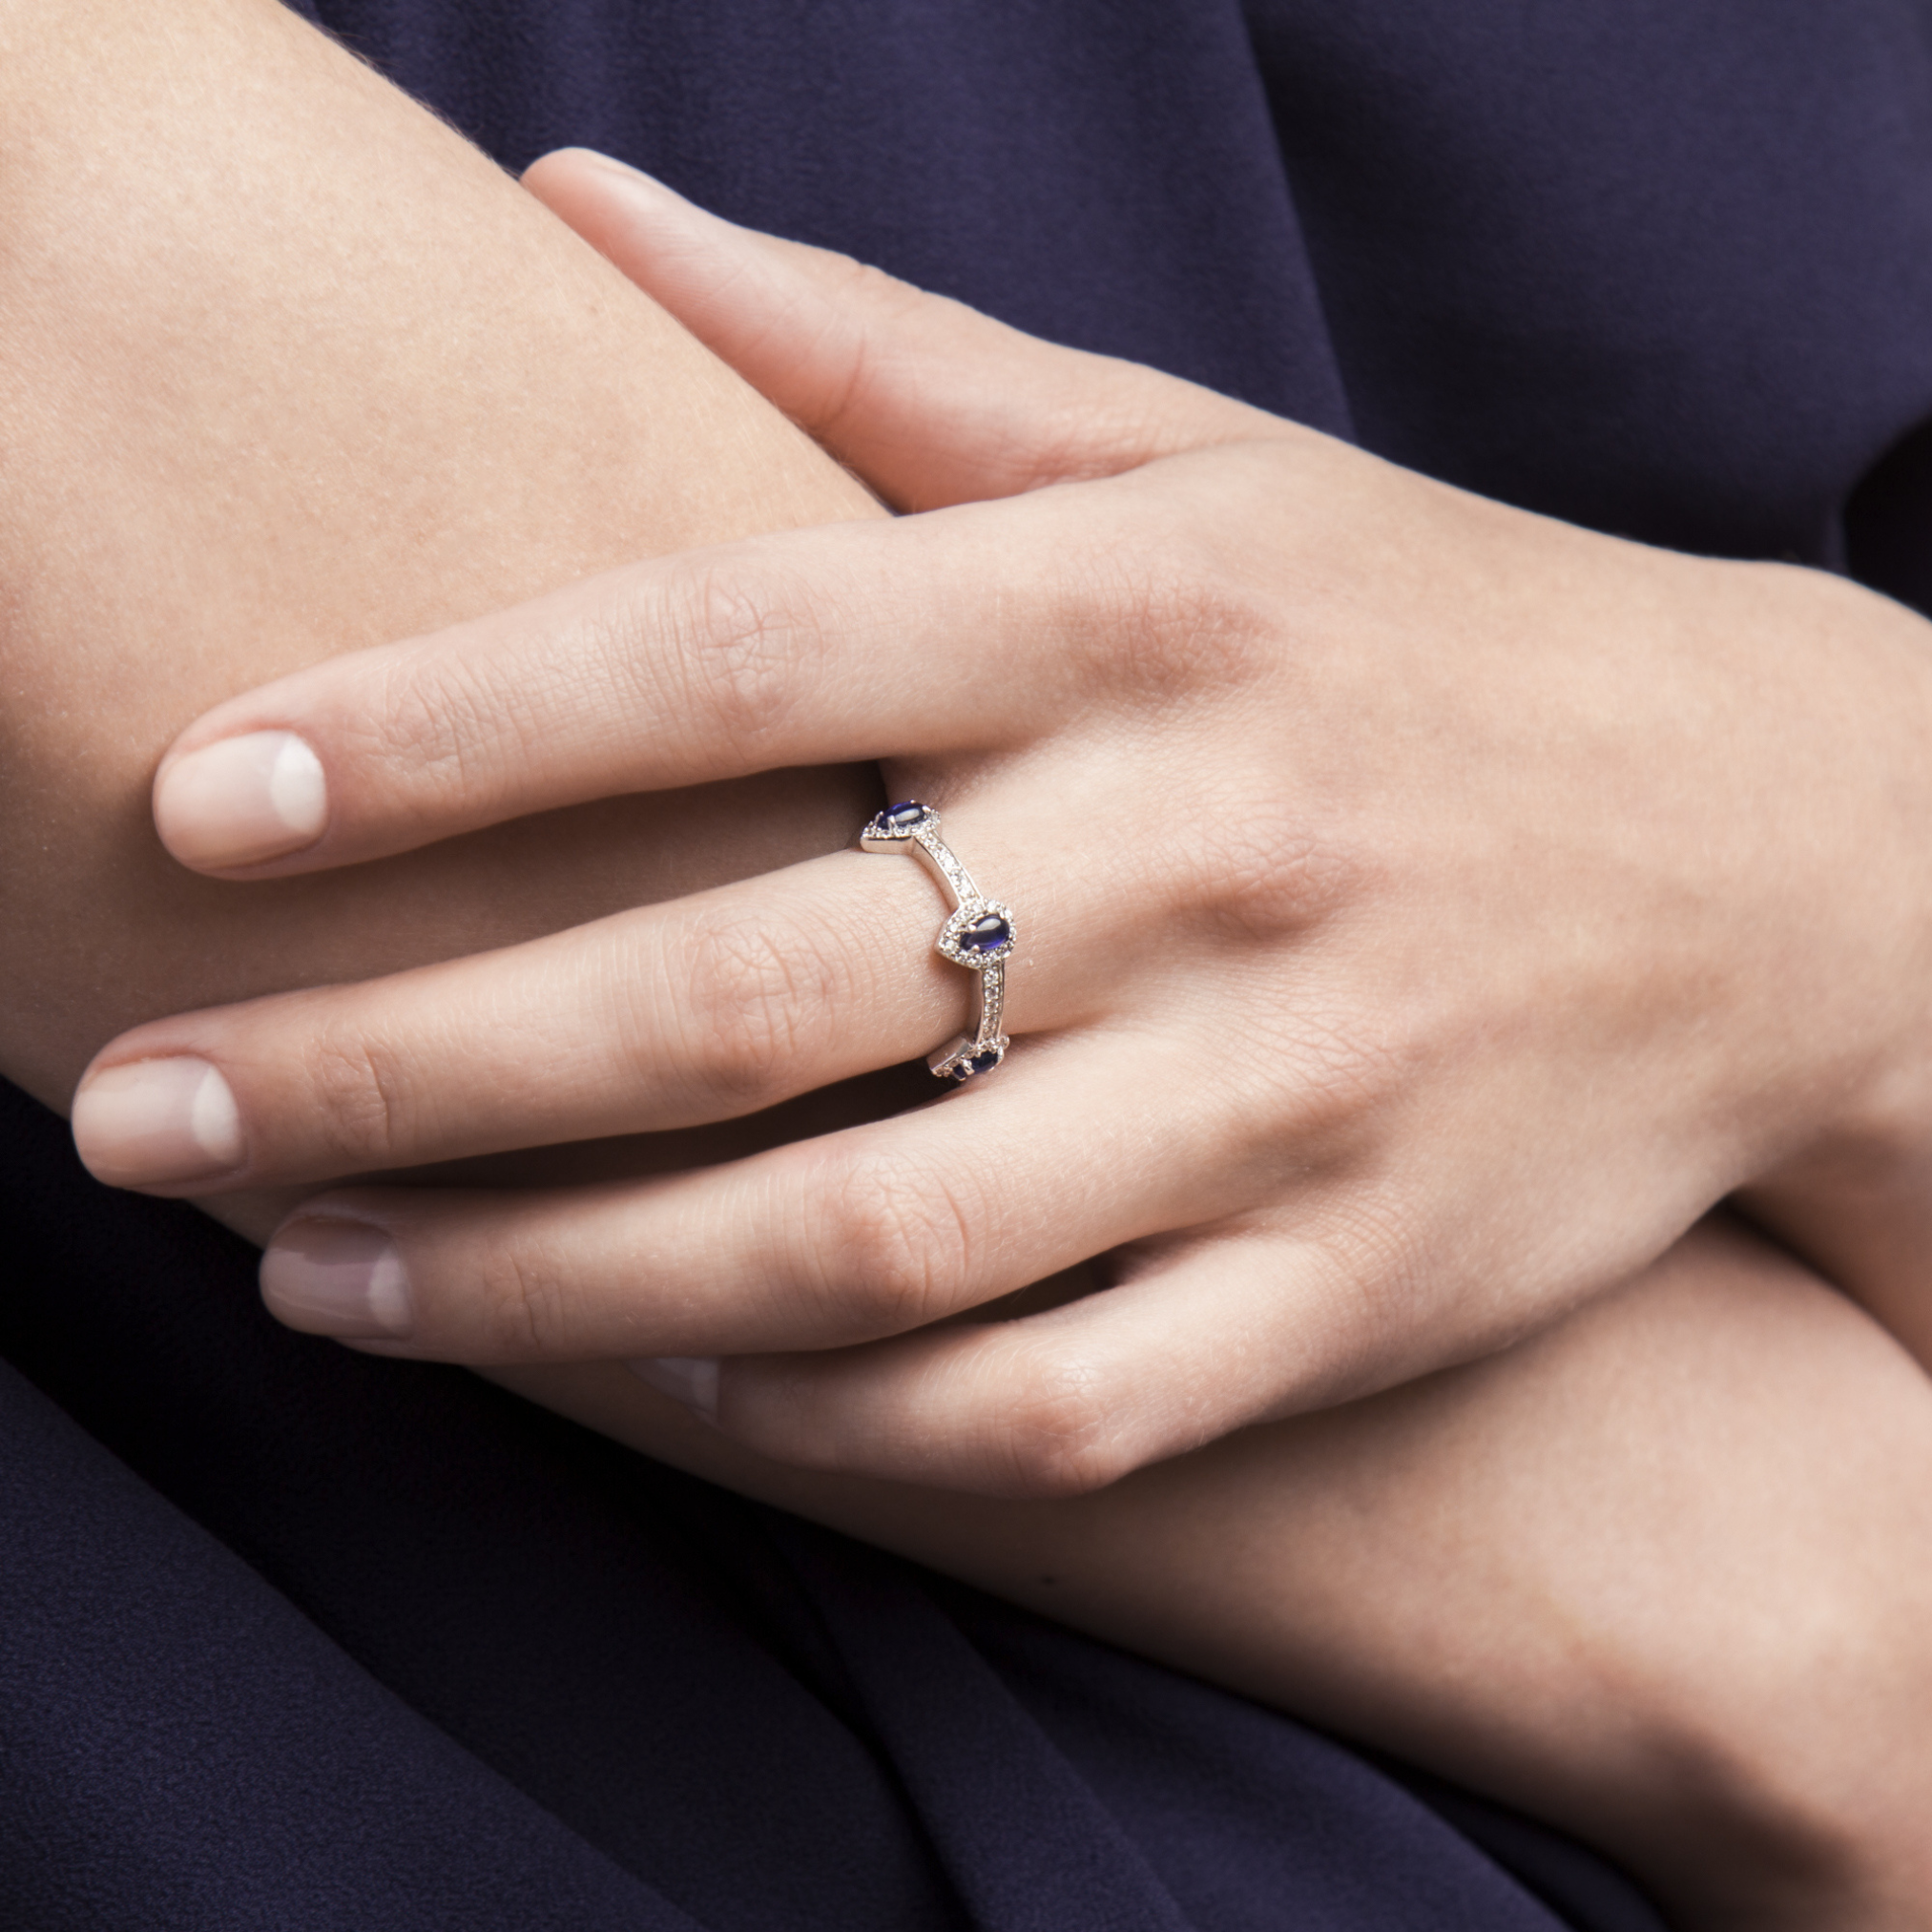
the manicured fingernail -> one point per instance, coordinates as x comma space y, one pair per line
154, 1121
688, 1379
334, 1277
241, 802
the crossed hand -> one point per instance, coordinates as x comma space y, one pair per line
1423, 912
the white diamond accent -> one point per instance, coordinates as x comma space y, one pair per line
921, 840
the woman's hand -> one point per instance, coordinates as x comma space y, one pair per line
1426, 912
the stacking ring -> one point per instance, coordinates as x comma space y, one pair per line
979, 936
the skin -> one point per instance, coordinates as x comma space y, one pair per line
232, 529
1441, 891
283, 366
1662, 1575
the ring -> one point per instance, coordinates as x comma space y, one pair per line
979, 936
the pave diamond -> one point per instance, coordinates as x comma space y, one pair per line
980, 934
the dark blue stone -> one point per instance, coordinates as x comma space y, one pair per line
988, 933
902, 817
985, 1063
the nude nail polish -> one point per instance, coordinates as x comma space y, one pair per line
688, 1379
151, 1122
326, 1275
241, 802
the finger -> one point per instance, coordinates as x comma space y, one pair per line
970, 630
821, 1243
1226, 1332
702, 1008
928, 401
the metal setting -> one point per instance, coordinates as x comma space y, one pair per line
979, 935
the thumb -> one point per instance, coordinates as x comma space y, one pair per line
926, 400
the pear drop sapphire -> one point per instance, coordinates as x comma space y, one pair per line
985, 1063
902, 817
988, 933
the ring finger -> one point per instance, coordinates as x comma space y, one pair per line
703, 1008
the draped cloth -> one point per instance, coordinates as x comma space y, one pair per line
295, 1637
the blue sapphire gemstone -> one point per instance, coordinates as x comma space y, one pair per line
985, 1063
988, 933
902, 817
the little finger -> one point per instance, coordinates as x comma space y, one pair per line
1230, 1331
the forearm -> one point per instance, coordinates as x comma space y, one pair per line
1663, 1574
286, 368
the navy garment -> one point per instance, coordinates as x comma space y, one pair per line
1659, 266
297, 1638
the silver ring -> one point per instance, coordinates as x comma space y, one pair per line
979, 935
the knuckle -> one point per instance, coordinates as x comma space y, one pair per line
1256, 866
1158, 608
737, 631
440, 716
866, 307
523, 1309
756, 991
1058, 1436
1104, 421
1385, 1272
1341, 1074
1272, 869
357, 1093
1315, 1095
893, 1243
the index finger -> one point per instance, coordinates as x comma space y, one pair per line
843, 643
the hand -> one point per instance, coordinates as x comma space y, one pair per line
1427, 912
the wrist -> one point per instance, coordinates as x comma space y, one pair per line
1838, 1139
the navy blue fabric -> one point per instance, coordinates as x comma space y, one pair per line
296, 1638
180, 1747
1660, 266
1099, 173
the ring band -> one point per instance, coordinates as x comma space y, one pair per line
978, 936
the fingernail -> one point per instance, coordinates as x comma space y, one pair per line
152, 1121
241, 802
335, 1277
688, 1379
